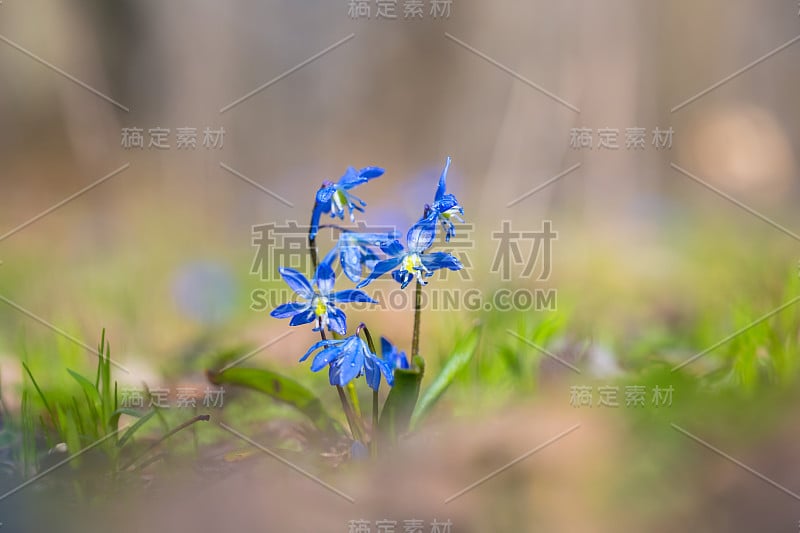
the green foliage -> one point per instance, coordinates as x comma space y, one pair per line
457, 363
77, 420
133, 428
280, 388
399, 406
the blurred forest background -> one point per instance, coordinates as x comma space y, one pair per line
161, 253
651, 265
400, 94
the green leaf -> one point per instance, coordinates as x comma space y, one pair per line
28, 434
134, 428
87, 386
114, 421
107, 404
281, 388
461, 357
100, 358
53, 415
400, 402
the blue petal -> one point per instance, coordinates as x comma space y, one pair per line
352, 295
315, 214
403, 277
352, 360
392, 356
325, 357
350, 179
350, 257
325, 277
337, 321
371, 172
392, 248
324, 195
449, 229
446, 203
421, 235
334, 370
387, 372
402, 361
353, 178
297, 282
358, 452
290, 309
372, 373
353, 201
352, 271
387, 348
330, 257
303, 318
370, 259
381, 268
373, 239
317, 346
439, 260
440, 190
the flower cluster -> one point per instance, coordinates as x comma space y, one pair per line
364, 257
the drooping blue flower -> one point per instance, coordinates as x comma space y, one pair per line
445, 207
358, 452
334, 198
317, 305
358, 252
412, 261
348, 359
393, 357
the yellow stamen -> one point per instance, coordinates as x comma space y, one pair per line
320, 308
340, 200
411, 263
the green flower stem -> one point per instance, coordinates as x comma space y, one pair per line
373, 444
367, 335
312, 241
351, 392
417, 320
352, 421
374, 409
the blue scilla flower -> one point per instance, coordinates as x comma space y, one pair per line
348, 359
358, 252
411, 262
334, 198
393, 357
318, 305
445, 207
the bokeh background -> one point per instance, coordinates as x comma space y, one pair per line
651, 266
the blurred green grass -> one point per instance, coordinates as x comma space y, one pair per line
650, 303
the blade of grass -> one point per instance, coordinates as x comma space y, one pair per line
106, 391
28, 435
39, 391
134, 428
461, 357
100, 359
281, 388
191, 421
161, 418
86, 385
115, 416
